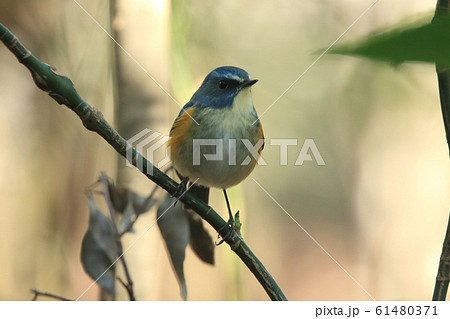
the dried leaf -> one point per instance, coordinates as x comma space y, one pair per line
99, 248
118, 195
174, 227
141, 204
129, 205
200, 240
128, 219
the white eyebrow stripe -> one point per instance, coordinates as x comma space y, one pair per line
232, 76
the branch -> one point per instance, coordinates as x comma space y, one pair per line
38, 293
443, 75
61, 89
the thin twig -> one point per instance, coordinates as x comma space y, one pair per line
129, 286
38, 293
443, 75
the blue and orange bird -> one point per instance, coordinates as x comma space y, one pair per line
217, 138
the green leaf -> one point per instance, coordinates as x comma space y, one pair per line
237, 223
425, 43
99, 249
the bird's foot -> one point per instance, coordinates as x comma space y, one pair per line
181, 189
230, 233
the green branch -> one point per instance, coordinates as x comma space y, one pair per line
62, 90
443, 75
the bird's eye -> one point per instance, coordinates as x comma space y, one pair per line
223, 84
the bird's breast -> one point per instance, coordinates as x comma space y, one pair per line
224, 128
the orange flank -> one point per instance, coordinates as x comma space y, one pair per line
261, 137
179, 130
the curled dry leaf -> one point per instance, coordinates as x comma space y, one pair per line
200, 240
174, 227
99, 249
128, 205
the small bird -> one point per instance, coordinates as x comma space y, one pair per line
217, 137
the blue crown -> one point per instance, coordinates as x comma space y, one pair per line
220, 87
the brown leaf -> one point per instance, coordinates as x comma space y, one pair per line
200, 240
174, 227
99, 249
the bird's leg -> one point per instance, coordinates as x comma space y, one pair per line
230, 222
230, 214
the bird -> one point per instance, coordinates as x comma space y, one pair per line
217, 138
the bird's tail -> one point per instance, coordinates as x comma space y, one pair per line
202, 192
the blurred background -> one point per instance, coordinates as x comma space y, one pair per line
379, 206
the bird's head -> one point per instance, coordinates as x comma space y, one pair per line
221, 86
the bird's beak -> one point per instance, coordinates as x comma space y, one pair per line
248, 83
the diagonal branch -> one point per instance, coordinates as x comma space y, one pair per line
62, 90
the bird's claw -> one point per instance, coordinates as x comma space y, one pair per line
229, 234
181, 189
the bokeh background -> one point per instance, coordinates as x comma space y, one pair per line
379, 206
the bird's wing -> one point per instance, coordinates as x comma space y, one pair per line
186, 108
261, 137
